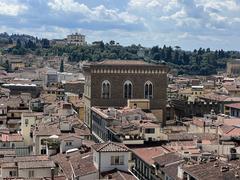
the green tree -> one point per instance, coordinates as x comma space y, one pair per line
112, 42
62, 66
7, 66
45, 43
10, 41
30, 45
19, 44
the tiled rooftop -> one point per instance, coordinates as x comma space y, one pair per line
110, 147
118, 175
63, 163
214, 97
205, 171
123, 62
47, 129
171, 170
148, 154
77, 163
83, 165
36, 164
234, 105
168, 158
191, 136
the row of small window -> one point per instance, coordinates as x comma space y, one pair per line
197, 93
14, 174
7, 145
127, 90
44, 142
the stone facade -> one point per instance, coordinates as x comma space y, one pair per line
76, 39
117, 72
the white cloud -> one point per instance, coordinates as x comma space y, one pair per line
11, 8
98, 13
68, 6
232, 5
192, 14
188, 23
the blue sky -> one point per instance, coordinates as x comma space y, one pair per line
187, 23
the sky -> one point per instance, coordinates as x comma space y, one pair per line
189, 24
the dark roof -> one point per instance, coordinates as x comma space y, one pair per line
110, 147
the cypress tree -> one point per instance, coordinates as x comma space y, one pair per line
62, 66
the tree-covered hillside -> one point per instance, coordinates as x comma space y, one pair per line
196, 62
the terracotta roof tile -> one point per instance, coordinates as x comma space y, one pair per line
234, 105
116, 174
148, 153
207, 170
83, 164
36, 164
171, 170
110, 147
168, 158
64, 164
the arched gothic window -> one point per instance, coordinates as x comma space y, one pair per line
128, 89
148, 90
106, 89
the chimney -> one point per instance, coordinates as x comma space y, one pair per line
224, 168
67, 157
216, 164
236, 175
204, 126
52, 173
109, 176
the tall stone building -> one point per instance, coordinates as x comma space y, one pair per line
111, 83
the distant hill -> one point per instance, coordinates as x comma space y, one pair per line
197, 62
9, 39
